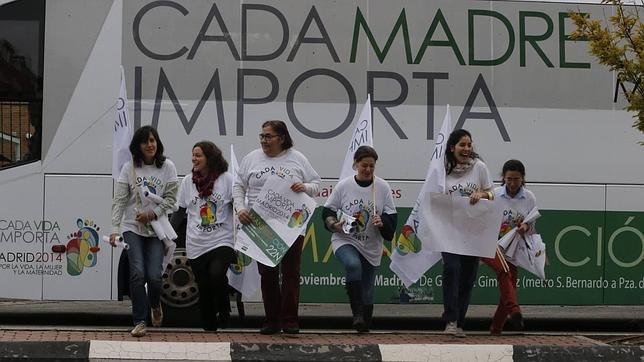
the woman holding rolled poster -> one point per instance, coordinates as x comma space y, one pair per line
361, 214
276, 158
149, 169
516, 202
466, 176
206, 196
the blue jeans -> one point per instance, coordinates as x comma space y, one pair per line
358, 269
459, 273
145, 258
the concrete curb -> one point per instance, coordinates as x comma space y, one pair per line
44, 351
177, 351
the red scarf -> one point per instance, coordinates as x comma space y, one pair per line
204, 184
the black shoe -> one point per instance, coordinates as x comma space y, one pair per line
269, 330
223, 321
291, 330
359, 324
516, 322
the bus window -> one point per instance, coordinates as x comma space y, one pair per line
21, 81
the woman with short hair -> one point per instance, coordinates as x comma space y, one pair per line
276, 158
367, 199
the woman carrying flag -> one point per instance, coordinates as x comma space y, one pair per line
360, 213
466, 176
516, 203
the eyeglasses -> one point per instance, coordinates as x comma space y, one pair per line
267, 136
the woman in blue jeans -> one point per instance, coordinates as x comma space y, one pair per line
466, 176
151, 170
360, 213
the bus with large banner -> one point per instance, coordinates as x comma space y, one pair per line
205, 69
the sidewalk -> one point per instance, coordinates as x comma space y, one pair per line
425, 317
237, 345
401, 333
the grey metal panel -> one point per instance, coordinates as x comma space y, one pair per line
71, 29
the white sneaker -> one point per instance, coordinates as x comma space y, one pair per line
139, 330
459, 333
157, 316
451, 328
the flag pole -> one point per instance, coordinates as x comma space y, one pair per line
373, 193
504, 263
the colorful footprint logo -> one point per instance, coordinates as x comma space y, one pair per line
82, 247
362, 218
407, 241
299, 217
208, 213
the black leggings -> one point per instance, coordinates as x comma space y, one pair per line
210, 273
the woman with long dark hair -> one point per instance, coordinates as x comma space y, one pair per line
148, 169
206, 197
466, 176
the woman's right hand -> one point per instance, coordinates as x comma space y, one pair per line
337, 227
113, 238
244, 216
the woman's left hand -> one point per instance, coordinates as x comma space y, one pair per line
475, 197
298, 187
377, 221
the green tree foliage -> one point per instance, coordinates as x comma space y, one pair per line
618, 42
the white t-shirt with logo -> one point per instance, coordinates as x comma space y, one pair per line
152, 177
357, 201
514, 209
256, 167
210, 219
475, 179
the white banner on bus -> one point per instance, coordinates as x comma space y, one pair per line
455, 226
279, 215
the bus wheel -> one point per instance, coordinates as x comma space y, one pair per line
179, 292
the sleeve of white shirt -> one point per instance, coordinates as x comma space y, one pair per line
334, 202
183, 192
126, 170
311, 178
486, 180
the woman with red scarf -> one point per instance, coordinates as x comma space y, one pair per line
206, 197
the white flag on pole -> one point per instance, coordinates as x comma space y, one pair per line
123, 131
362, 135
411, 258
243, 275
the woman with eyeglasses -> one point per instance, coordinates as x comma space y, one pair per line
276, 157
516, 202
